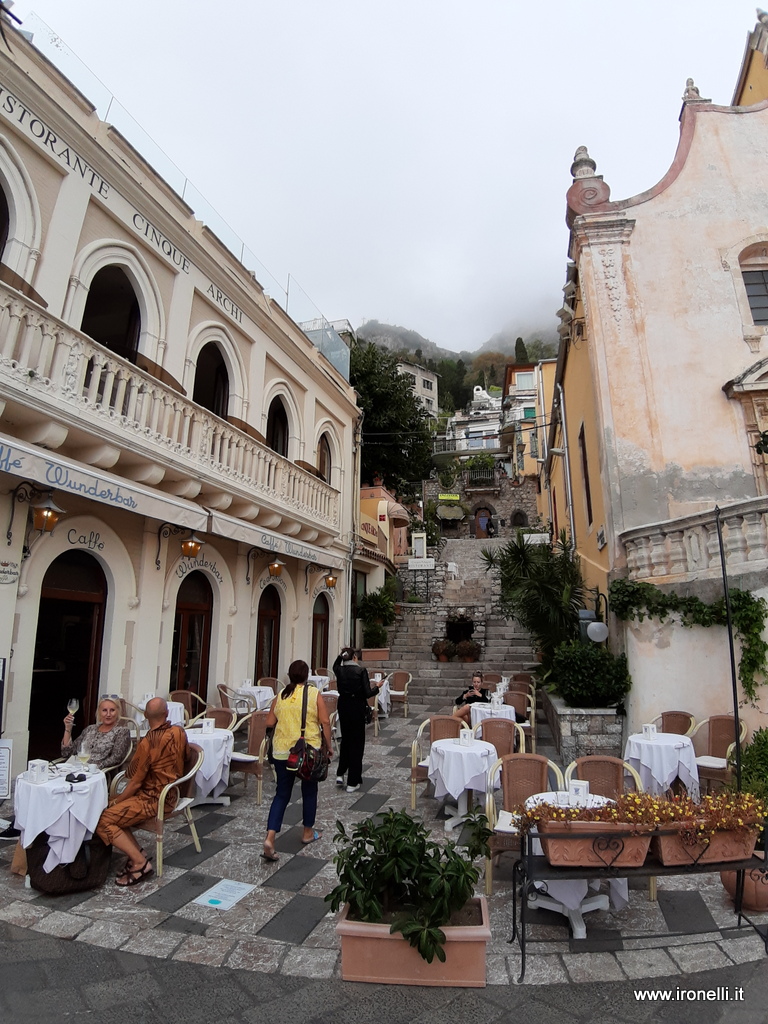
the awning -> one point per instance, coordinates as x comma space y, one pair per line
277, 544
397, 514
66, 476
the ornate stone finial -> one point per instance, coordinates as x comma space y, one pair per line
583, 165
588, 189
692, 94
762, 17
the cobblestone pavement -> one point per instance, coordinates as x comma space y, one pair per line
282, 935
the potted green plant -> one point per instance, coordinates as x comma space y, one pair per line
588, 675
410, 917
376, 611
444, 649
468, 650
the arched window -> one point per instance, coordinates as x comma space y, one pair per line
212, 381
277, 428
324, 458
320, 619
111, 316
519, 518
268, 634
5, 223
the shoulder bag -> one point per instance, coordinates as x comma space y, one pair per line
309, 763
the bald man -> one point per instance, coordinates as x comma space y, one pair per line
159, 759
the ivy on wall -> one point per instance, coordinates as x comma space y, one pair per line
632, 599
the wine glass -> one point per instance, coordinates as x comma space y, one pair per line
73, 705
84, 754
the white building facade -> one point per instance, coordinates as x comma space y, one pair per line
151, 389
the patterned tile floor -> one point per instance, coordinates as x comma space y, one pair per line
283, 926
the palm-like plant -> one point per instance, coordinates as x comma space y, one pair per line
543, 588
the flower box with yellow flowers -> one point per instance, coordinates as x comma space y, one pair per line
723, 827
618, 834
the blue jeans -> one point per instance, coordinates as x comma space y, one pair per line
282, 797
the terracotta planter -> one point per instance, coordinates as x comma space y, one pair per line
596, 844
755, 887
375, 654
369, 952
468, 661
443, 657
723, 846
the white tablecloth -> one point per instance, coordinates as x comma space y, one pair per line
661, 760
69, 813
321, 682
383, 696
455, 767
480, 711
213, 777
175, 715
262, 695
572, 892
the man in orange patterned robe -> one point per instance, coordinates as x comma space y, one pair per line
159, 759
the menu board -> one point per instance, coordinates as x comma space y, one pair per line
6, 752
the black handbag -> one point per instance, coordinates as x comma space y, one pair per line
88, 870
309, 763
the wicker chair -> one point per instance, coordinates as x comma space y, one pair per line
185, 787
713, 764
373, 704
272, 682
508, 737
331, 700
605, 775
521, 776
225, 718
490, 678
254, 760
398, 689
681, 723
525, 712
441, 727
194, 706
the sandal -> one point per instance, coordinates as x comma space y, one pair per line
135, 875
315, 836
126, 869
269, 855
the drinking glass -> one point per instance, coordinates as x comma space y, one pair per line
84, 755
73, 705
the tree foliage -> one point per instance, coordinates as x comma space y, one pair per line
521, 352
397, 444
542, 586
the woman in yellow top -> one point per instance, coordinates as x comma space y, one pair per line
285, 717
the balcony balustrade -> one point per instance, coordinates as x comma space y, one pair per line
687, 548
50, 372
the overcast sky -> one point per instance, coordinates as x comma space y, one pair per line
406, 160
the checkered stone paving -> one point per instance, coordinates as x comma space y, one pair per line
283, 926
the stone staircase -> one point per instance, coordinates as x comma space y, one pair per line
474, 592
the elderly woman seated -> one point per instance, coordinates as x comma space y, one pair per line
106, 742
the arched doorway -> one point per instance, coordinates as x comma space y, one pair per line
277, 428
212, 381
483, 526
192, 635
67, 662
111, 316
5, 222
320, 620
268, 634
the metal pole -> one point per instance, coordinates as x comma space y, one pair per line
729, 622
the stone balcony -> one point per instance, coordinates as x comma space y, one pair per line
62, 391
687, 549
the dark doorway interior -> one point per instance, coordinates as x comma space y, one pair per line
192, 635
268, 634
112, 315
68, 644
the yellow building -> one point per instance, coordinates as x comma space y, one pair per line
661, 386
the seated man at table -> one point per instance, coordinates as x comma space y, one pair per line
159, 759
